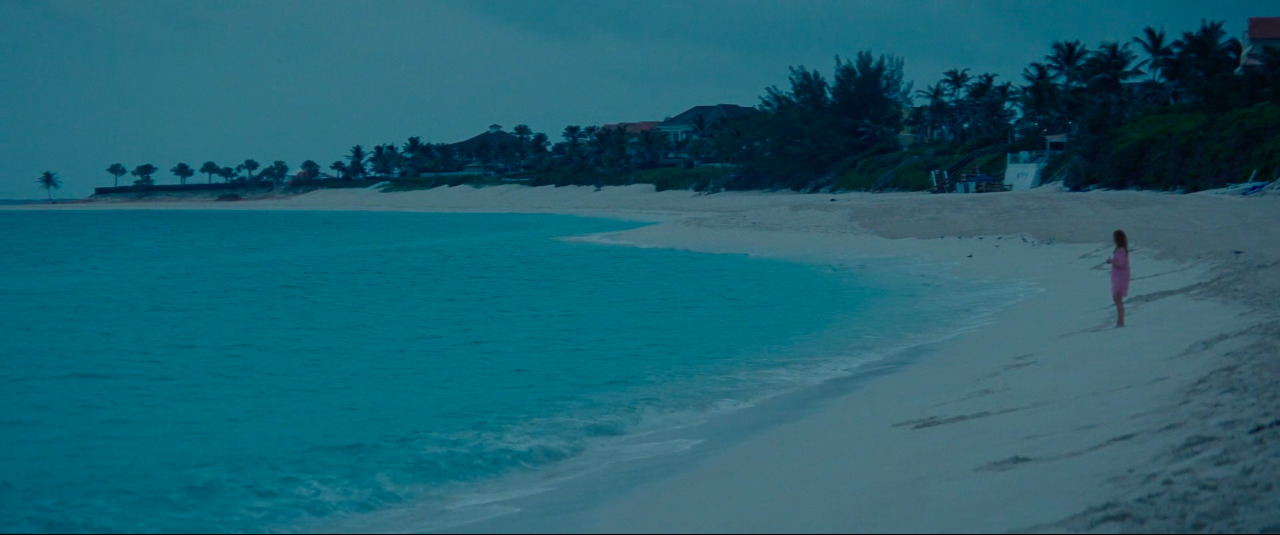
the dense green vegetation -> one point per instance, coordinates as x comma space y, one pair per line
1171, 114
1194, 150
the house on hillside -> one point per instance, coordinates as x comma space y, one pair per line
633, 128
644, 143
698, 120
1262, 32
696, 123
494, 136
491, 151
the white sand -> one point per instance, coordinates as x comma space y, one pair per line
1049, 419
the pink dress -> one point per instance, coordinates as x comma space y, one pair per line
1120, 272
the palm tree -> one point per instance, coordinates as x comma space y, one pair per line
1199, 58
384, 160
357, 158
985, 107
1067, 60
226, 173
339, 169
310, 169
1205, 47
999, 108
523, 132
414, 160
956, 79
1039, 99
652, 142
413, 144
378, 160
144, 172
183, 172
416, 156
936, 109
597, 139
269, 173
117, 171
278, 170
250, 166
539, 143
210, 168
395, 160
446, 158
1158, 50
506, 154
1109, 67
1037, 72
572, 134
981, 86
49, 181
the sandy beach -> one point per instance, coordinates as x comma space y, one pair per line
1047, 419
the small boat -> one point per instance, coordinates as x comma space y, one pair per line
1249, 187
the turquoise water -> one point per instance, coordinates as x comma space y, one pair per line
272, 371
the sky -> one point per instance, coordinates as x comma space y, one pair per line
88, 83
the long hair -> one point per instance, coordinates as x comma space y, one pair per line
1122, 241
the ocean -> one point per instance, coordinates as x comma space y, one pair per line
266, 371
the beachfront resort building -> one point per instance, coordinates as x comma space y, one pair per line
633, 128
483, 152
491, 139
1262, 32
683, 129
693, 124
697, 121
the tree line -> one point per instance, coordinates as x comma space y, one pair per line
1152, 111
243, 172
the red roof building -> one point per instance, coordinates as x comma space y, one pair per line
633, 128
1264, 31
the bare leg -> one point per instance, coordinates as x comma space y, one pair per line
1119, 310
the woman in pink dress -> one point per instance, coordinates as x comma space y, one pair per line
1120, 274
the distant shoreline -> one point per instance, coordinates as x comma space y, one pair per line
18, 202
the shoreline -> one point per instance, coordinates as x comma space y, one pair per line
1046, 420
